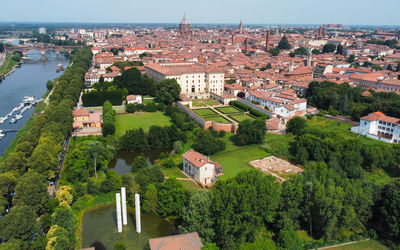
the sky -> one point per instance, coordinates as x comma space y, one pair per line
365, 12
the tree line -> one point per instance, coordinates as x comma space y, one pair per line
349, 101
24, 173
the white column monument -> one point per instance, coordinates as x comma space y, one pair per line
123, 197
137, 210
119, 221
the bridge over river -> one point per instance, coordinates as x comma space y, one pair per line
42, 48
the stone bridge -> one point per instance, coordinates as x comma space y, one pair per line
42, 48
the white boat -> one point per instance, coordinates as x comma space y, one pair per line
13, 120
17, 117
3, 119
2, 136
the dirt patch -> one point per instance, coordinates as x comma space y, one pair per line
277, 167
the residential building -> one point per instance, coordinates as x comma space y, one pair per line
87, 118
200, 168
135, 99
195, 79
190, 241
378, 126
42, 30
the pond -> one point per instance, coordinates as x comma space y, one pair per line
123, 161
100, 225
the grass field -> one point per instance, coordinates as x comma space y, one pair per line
190, 186
139, 120
204, 103
219, 119
240, 117
204, 112
338, 128
362, 245
229, 110
237, 160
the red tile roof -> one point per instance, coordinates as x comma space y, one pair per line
195, 158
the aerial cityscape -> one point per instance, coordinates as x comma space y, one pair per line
177, 125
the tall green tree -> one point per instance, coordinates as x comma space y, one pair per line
150, 200
296, 125
284, 44
171, 198
197, 217
95, 150
20, 223
31, 191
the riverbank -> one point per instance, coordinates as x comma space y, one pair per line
40, 106
8, 66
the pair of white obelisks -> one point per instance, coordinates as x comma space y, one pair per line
121, 213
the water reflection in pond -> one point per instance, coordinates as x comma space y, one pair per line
123, 161
100, 225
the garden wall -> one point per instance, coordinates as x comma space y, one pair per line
256, 107
229, 127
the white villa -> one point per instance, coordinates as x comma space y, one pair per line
200, 168
135, 99
378, 126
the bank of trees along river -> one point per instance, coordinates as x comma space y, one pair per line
24, 173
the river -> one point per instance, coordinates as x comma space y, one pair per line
28, 80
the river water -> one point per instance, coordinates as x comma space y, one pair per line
28, 80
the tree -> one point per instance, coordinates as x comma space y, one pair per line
296, 125
64, 217
168, 91
20, 223
58, 238
130, 108
177, 147
147, 176
315, 52
138, 163
329, 48
388, 212
150, 200
171, 198
301, 51
95, 149
197, 217
251, 132
64, 196
351, 59
274, 51
31, 191
239, 207
207, 144
339, 49
284, 44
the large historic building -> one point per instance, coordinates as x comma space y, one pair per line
195, 79
184, 27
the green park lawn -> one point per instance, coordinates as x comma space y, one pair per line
240, 117
204, 112
142, 120
229, 110
237, 160
204, 103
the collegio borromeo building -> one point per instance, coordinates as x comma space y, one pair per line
195, 79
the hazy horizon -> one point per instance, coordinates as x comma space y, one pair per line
252, 12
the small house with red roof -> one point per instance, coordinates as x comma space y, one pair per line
201, 168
